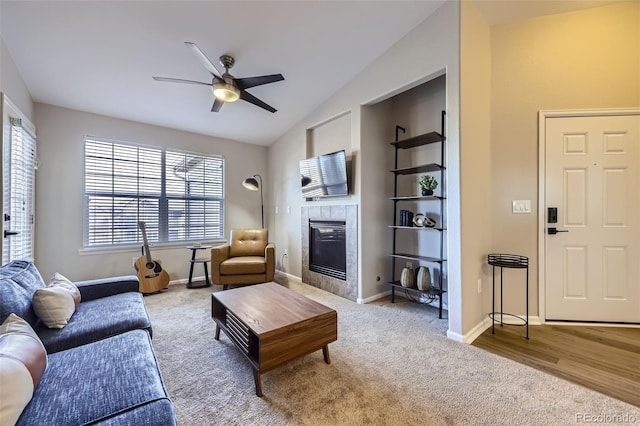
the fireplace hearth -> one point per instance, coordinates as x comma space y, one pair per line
327, 248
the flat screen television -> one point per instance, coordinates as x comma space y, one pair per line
324, 175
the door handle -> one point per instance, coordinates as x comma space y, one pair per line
554, 231
9, 233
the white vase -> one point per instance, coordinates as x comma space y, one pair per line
407, 279
423, 281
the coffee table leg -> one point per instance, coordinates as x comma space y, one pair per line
258, 380
325, 353
217, 332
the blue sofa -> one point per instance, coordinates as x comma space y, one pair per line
102, 367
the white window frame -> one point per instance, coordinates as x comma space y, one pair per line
146, 183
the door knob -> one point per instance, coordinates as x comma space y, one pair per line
554, 231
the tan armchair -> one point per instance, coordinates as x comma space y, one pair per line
248, 258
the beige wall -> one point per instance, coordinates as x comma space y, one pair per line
426, 52
60, 187
584, 59
475, 163
12, 85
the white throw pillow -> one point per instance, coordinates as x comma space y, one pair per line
54, 306
59, 280
23, 361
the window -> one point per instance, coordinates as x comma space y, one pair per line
179, 195
19, 161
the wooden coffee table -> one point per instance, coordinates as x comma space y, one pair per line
272, 325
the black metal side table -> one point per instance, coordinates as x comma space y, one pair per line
203, 260
508, 261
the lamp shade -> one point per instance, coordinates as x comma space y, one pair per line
251, 183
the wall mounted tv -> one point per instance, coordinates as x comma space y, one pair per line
324, 175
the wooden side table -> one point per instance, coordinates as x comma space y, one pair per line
203, 260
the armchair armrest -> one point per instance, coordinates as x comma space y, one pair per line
270, 255
103, 287
218, 255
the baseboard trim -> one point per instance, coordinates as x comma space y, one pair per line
293, 277
373, 298
186, 280
476, 331
472, 334
593, 324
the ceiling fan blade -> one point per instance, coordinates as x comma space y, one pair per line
252, 99
245, 83
179, 80
203, 58
217, 104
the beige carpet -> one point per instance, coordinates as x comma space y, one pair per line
391, 365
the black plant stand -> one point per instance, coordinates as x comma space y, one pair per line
204, 261
508, 261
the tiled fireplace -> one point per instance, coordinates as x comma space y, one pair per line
335, 223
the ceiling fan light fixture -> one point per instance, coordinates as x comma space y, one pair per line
226, 92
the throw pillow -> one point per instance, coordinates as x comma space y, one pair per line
23, 361
54, 306
59, 280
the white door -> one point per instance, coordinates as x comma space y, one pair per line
592, 178
18, 184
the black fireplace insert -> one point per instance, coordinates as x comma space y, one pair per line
328, 248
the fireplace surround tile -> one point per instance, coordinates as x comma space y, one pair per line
348, 213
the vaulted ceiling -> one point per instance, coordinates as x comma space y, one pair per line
100, 56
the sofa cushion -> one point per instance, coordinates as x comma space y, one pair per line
23, 360
54, 306
104, 287
97, 319
243, 265
100, 382
19, 280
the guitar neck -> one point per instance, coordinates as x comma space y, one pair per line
146, 243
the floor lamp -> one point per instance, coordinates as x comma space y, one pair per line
252, 184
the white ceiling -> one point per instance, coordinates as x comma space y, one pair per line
99, 56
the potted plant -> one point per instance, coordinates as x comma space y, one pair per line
428, 184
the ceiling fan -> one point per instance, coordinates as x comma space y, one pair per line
227, 88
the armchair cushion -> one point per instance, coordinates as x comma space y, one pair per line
247, 242
243, 265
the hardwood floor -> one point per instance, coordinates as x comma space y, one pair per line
605, 359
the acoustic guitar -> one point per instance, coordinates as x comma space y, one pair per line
150, 274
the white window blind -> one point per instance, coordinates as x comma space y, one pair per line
179, 195
18, 192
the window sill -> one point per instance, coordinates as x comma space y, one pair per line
89, 251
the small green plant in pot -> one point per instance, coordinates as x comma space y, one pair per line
428, 184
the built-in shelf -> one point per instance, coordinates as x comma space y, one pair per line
427, 138
425, 168
410, 256
417, 197
418, 228
436, 290
432, 290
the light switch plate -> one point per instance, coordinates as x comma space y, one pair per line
521, 206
